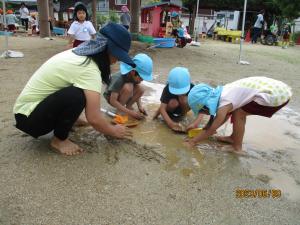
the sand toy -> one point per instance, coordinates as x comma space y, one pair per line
194, 132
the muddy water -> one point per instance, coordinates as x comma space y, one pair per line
272, 147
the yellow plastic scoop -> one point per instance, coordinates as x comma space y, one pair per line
194, 132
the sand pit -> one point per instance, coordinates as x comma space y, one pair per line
152, 178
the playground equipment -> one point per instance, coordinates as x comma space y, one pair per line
154, 18
8, 53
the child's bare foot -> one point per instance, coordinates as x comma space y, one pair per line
225, 139
65, 147
239, 152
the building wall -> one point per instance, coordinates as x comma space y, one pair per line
113, 6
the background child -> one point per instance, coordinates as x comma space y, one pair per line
286, 35
125, 89
249, 96
11, 20
81, 29
1, 19
34, 24
174, 97
24, 15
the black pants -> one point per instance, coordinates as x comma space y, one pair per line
57, 112
25, 23
256, 34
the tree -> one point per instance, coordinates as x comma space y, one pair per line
288, 8
135, 8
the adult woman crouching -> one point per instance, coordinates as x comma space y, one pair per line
69, 82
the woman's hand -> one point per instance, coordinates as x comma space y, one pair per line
121, 131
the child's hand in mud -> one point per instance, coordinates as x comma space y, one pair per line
136, 115
189, 143
177, 127
122, 132
143, 111
191, 126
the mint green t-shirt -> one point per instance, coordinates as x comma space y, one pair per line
62, 70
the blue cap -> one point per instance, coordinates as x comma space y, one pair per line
179, 81
204, 95
118, 41
174, 14
144, 66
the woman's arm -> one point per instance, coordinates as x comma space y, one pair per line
96, 119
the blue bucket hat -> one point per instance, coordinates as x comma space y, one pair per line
113, 36
179, 81
144, 66
118, 42
174, 14
204, 95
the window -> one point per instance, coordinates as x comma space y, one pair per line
121, 2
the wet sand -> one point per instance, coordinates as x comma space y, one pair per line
153, 179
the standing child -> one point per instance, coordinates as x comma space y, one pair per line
81, 29
174, 97
286, 35
249, 96
34, 24
125, 87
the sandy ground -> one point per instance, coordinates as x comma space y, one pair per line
153, 179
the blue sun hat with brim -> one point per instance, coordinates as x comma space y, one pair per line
143, 65
174, 14
204, 95
179, 81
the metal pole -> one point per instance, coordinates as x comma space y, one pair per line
196, 18
243, 32
5, 27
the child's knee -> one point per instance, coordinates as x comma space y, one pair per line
140, 89
173, 103
127, 88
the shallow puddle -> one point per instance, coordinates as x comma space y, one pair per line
271, 145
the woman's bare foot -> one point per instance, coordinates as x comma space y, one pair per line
65, 147
225, 139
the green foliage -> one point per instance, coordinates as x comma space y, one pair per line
289, 8
295, 36
113, 16
102, 19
